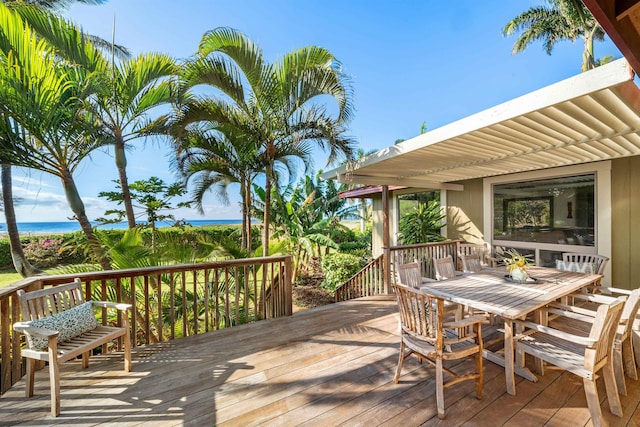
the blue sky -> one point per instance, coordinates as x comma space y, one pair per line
410, 61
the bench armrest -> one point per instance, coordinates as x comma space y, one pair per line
36, 332
586, 341
108, 304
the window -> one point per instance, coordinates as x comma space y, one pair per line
406, 202
548, 211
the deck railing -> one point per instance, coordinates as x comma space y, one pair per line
169, 301
370, 280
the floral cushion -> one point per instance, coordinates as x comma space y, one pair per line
69, 323
576, 267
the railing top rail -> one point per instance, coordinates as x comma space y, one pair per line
422, 245
114, 274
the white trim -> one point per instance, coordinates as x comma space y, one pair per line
602, 172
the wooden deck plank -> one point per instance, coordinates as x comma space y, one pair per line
330, 366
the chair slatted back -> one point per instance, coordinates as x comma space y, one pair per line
630, 312
599, 261
409, 274
416, 318
444, 268
471, 262
46, 302
604, 331
483, 251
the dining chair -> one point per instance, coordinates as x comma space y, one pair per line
444, 267
425, 334
483, 250
623, 351
409, 274
470, 262
597, 262
582, 355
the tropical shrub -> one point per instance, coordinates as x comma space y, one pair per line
338, 268
44, 252
422, 224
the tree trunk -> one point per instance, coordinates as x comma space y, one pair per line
248, 218
588, 61
121, 163
243, 231
20, 262
267, 212
77, 207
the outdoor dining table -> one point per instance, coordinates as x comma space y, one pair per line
491, 291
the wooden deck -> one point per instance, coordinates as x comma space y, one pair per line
326, 367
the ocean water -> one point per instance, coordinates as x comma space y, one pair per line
71, 226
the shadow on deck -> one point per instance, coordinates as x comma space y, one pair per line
327, 366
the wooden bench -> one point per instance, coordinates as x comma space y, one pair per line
41, 306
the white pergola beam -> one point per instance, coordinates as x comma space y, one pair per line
406, 182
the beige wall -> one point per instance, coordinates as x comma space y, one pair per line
464, 212
625, 218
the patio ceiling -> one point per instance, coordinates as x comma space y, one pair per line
590, 117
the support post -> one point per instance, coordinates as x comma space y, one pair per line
386, 240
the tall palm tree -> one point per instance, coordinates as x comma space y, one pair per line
43, 95
561, 20
42, 27
283, 102
130, 89
213, 159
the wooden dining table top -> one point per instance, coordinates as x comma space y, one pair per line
491, 291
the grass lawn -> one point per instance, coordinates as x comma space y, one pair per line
9, 276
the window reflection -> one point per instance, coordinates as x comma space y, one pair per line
556, 211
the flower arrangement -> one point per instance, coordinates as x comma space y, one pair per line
516, 263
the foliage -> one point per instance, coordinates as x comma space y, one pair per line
338, 268
307, 218
422, 224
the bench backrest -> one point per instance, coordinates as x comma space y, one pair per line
46, 302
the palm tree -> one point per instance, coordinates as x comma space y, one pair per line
43, 95
42, 26
562, 20
131, 88
282, 102
213, 159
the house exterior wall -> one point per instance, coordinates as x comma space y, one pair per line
625, 217
464, 212
618, 215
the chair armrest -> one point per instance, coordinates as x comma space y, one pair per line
571, 312
586, 341
597, 298
610, 290
36, 332
478, 318
108, 304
